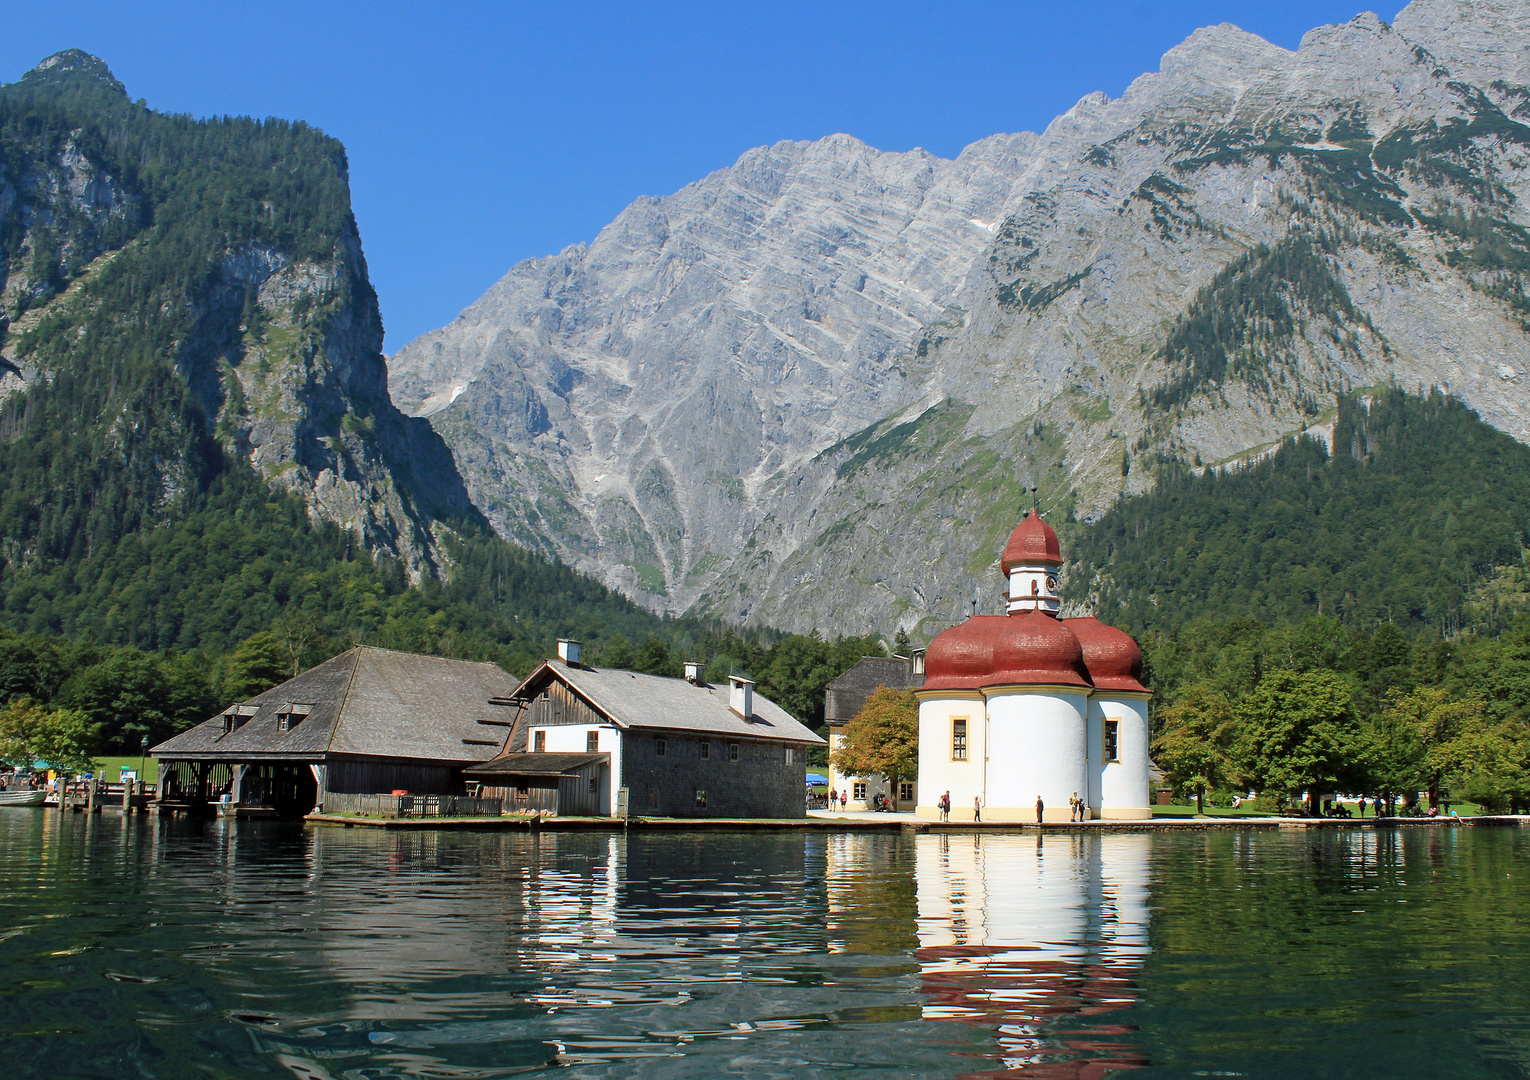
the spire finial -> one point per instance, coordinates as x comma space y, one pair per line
1034, 507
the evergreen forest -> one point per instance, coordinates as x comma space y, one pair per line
1349, 617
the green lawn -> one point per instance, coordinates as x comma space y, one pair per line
1179, 810
110, 768
1465, 809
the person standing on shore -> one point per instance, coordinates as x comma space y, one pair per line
977, 808
1040, 806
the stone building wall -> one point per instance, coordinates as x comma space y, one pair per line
761, 783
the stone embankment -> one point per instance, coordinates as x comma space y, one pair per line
893, 823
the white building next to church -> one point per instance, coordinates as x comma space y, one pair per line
1027, 705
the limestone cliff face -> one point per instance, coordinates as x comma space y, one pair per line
235, 258
636, 405
286, 357
805, 390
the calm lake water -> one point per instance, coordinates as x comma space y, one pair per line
159, 948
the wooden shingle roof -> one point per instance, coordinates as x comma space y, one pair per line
846, 695
633, 700
366, 702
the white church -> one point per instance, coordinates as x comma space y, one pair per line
1028, 706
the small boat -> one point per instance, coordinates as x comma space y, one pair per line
22, 797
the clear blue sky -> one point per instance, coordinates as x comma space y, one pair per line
483, 133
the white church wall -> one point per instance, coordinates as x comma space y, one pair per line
1094, 741
939, 769
1036, 747
1124, 782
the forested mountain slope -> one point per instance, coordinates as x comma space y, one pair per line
195, 429
809, 388
1413, 514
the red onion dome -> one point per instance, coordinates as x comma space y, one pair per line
1033, 541
1028, 649
961, 657
1115, 661
1037, 649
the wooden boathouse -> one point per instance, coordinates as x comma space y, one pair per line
367, 721
584, 739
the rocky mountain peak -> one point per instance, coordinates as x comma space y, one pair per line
73, 68
806, 389
1480, 41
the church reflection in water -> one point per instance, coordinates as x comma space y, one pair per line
1037, 939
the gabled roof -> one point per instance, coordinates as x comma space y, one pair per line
846, 695
365, 702
633, 700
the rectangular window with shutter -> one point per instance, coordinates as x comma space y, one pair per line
1112, 740
592, 741
706, 750
659, 746
733, 751
539, 744
959, 739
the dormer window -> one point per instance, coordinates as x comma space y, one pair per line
292, 715
237, 717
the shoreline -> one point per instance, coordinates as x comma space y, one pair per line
895, 825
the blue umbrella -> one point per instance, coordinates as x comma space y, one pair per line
814, 778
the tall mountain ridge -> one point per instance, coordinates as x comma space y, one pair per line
137, 244
197, 445
810, 389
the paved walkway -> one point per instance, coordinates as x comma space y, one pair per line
862, 815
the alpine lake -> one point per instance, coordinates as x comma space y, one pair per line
155, 947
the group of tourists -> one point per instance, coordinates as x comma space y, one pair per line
1078, 809
944, 805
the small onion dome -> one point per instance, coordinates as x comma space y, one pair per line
1037, 649
961, 657
1115, 662
1033, 541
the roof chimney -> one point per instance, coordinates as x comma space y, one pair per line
918, 661
741, 697
693, 672
568, 651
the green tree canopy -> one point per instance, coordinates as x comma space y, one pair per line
883, 738
259, 663
1298, 730
1195, 741
60, 738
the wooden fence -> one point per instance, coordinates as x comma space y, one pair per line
403, 806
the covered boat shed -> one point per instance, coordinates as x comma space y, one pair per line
367, 721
